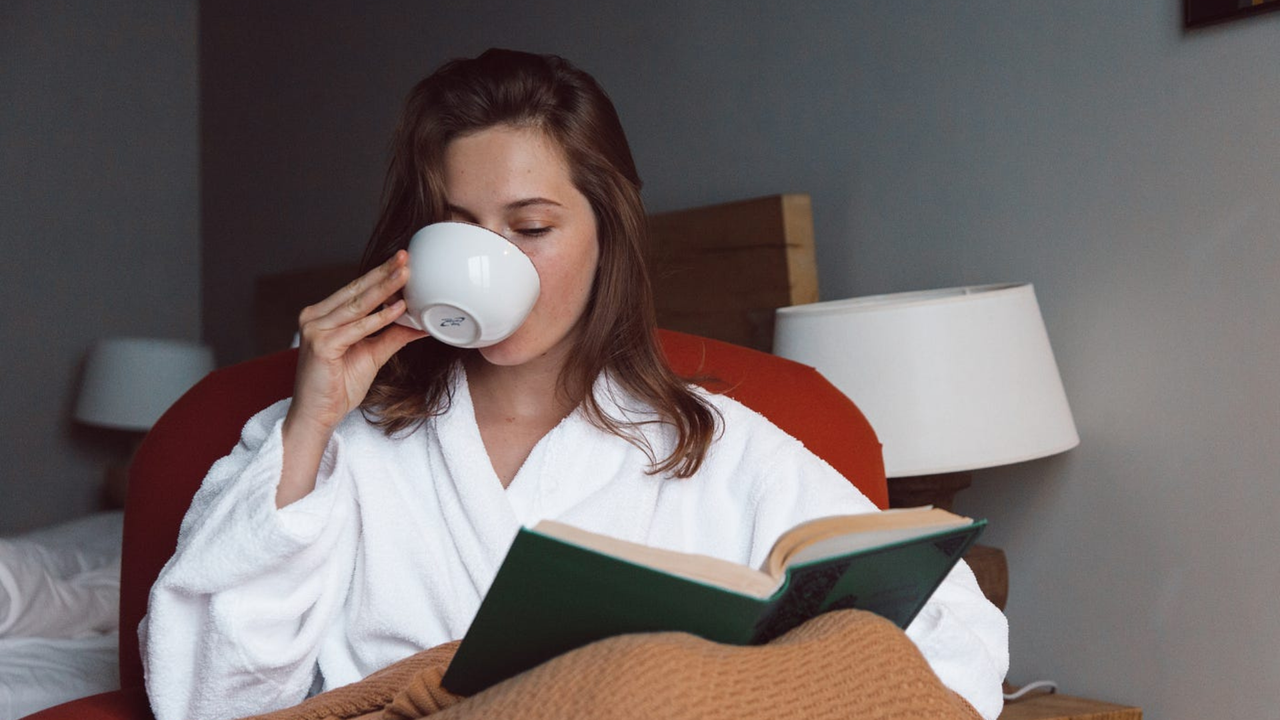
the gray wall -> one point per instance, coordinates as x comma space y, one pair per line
1129, 170
98, 223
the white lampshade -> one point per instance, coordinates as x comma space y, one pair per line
952, 380
130, 382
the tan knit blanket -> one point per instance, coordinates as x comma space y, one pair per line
846, 664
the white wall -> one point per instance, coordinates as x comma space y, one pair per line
98, 224
1132, 172
1129, 170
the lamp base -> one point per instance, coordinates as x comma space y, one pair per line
936, 490
988, 563
115, 481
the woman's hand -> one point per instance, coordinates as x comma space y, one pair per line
338, 357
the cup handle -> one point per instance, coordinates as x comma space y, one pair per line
408, 320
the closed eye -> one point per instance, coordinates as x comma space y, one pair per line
533, 232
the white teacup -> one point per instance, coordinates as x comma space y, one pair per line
468, 286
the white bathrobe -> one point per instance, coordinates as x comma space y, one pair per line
395, 548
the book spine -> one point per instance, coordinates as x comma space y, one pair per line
802, 597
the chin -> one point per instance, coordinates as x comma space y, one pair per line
515, 350
505, 354
522, 348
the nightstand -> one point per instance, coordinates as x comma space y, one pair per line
1053, 706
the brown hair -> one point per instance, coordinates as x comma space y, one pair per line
617, 330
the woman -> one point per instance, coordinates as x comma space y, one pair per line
363, 519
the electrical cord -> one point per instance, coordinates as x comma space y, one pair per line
1048, 686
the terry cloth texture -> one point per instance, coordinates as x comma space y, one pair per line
846, 664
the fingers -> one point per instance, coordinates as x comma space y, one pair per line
348, 316
347, 335
351, 318
361, 295
342, 346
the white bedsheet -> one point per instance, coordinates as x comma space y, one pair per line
36, 673
59, 600
62, 581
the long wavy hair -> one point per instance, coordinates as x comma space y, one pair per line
617, 331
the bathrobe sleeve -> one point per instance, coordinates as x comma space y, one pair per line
237, 616
963, 636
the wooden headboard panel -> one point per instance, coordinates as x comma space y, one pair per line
721, 270
718, 271
278, 298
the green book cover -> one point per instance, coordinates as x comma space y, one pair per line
551, 596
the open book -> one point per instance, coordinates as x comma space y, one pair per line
561, 587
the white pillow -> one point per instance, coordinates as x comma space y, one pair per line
63, 581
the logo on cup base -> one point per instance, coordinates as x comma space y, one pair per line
452, 322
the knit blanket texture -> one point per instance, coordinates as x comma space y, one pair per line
845, 664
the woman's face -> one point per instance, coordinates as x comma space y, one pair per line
515, 181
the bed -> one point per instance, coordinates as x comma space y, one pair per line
59, 613
719, 271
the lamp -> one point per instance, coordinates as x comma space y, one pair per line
952, 380
130, 382
127, 385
